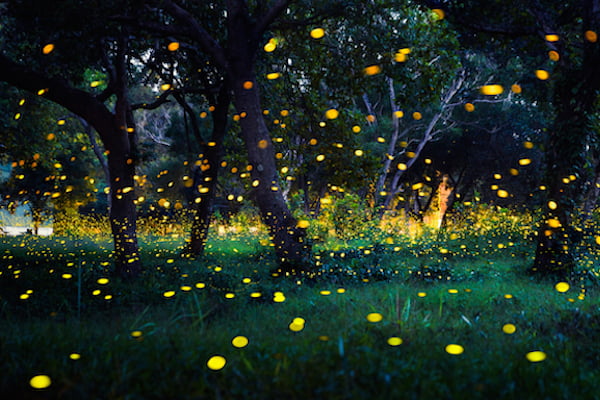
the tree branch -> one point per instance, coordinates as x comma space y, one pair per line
75, 100
275, 11
207, 43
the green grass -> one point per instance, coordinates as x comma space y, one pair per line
471, 292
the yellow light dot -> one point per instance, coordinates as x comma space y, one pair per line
598, 240
394, 341
50, 136
542, 74
561, 287
216, 363
96, 292
552, 38
169, 293
399, 57
40, 381
509, 329
553, 55
374, 317
398, 114
454, 349
279, 298
47, 49
102, 281
299, 321
417, 115
332, 113
248, 85
591, 36
469, 107
67, 276
421, 294
229, 295
402, 167
513, 172
524, 161
273, 75
240, 341
317, 33
553, 223
269, 47
200, 285
372, 70
491, 90
536, 356
439, 13
165, 86
74, 356
136, 334
356, 129
516, 88
528, 145
502, 193
320, 157
552, 205
303, 224
173, 46
358, 153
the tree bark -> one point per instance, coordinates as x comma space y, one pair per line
291, 246
205, 175
575, 99
112, 129
238, 62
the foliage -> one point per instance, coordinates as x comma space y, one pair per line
128, 336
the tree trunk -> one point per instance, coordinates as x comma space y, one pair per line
591, 198
291, 245
117, 140
575, 100
122, 215
205, 175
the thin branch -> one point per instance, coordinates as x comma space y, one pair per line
275, 11
206, 42
160, 100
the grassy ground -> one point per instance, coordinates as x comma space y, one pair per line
376, 322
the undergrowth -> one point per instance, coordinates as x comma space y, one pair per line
377, 316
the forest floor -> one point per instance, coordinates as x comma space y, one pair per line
412, 319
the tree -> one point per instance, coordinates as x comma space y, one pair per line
60, 68
569, 33
51, 170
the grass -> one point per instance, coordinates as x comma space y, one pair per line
139, 344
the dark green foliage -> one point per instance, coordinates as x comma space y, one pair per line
338, 354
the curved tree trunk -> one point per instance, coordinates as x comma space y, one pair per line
291, 245
205, 175
117, 140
